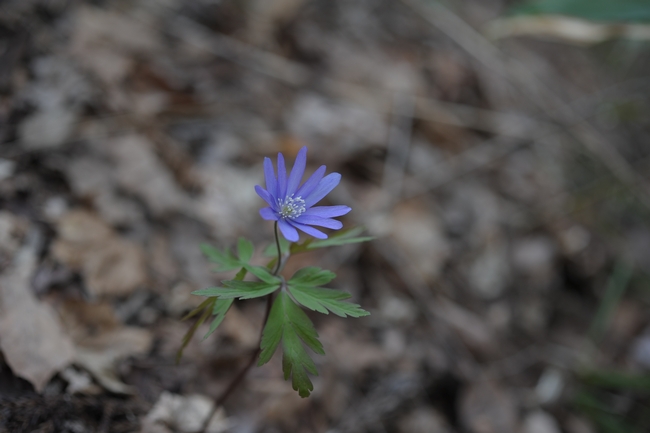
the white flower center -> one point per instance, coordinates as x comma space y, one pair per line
291, 207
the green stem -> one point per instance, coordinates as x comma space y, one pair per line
238, 379
277, 244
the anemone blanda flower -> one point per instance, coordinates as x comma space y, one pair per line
292, 204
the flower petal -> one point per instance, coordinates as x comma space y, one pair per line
324, 187
311, 183
265, 196
268, 214
288, 231
309, 230
328, 211
282, 178
269, 177
318, 221
297, 171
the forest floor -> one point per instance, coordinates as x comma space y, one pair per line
505, 183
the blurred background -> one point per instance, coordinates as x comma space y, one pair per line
499, 151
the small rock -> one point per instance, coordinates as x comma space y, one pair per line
47, 129
549, 386
397, 310
489, 274
394, 343
54, 208
7, 168
540, 422
185, 414
641, 351
574, 239
534, 256
79, 382
486, 407
423, 420
418, 232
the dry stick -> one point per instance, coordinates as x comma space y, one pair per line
533, 87
242, 374
238, 379
398, 146
233, 385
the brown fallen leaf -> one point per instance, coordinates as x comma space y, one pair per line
92, 178
103, 42
141, 172
81, 318
110, 265
101, 341
31, 338
99, 354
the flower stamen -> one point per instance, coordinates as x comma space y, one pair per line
291, 207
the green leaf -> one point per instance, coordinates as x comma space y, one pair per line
289, 324
272, 250
619, 380
241, 274
302, 287
598, 10
617, 284
240, 289
244, 250
190, 333
225, 260
302, 325
221, 307
312, 276
272, 333
262, 273
207, 303
295, 361
322, 299
601, 414
340, 238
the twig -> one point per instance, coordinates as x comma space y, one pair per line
398, 146
241, 375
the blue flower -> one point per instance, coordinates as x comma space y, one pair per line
292, 206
